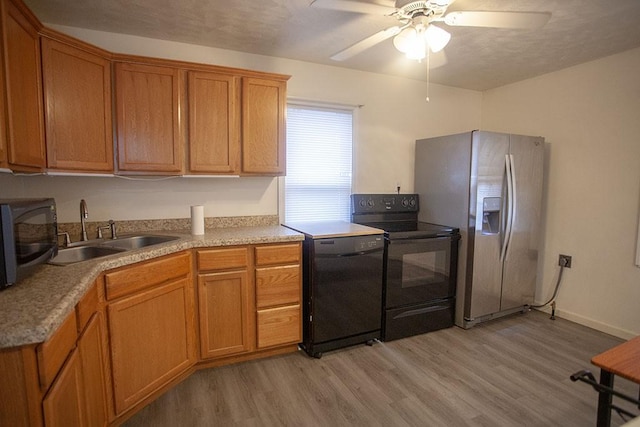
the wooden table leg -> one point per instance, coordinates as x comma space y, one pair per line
605, 399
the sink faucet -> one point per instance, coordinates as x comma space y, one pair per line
84, 214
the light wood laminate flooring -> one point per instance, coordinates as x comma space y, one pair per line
512, 371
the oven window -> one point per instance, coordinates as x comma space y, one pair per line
419, 270
423, 269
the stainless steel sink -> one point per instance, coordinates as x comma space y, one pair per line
137, 242
82, 253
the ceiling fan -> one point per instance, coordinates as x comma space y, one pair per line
416, 32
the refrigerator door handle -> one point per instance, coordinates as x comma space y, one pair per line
514, 201
507, 231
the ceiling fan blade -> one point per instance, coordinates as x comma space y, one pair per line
524, 20
365, 44
354, 6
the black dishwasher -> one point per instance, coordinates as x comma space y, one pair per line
342, 291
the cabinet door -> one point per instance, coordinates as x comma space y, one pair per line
148, 104
25, 130
263, 126
64, 404
77, 93
91, 346
224, 314
214, 119
152, 340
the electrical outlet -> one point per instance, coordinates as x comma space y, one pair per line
564, 261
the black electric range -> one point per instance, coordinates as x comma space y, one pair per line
420, 264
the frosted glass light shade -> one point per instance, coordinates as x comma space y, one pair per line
411, 42
404, 39
437, 38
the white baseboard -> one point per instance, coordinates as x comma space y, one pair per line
593, 324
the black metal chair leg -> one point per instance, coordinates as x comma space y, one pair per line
605, 399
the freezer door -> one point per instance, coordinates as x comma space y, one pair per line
487, 203
521, 257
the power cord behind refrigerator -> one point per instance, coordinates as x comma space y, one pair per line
555, 293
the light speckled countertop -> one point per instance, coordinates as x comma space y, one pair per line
33, 309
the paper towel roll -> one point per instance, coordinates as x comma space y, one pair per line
197, 220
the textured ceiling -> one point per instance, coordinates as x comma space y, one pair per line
476, 58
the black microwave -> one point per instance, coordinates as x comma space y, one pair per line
28, 237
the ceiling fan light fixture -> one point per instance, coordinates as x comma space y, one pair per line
437, 38
412, 43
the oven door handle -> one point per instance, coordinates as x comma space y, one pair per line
422, 311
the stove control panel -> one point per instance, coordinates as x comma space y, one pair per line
379, 203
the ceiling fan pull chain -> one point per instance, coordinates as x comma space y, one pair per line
428, 67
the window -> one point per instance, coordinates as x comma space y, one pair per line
319, 151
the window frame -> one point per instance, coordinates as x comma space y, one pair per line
302, 102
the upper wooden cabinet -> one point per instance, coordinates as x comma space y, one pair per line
214, 122
23, 84
263, 126
148, 106
77, 93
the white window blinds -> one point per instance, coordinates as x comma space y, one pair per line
319, 150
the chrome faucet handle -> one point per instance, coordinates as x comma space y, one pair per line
67, 239
99, 231
112, 225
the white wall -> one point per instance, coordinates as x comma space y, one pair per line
393, 115
590, 116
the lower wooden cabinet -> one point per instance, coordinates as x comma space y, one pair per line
243, 313
224, 302
134, 334
77, 397
151, 336
225, 316
278, 294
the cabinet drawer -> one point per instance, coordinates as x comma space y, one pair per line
277, 326
277, 254
134, 278
222, 259
277, 285
53, 352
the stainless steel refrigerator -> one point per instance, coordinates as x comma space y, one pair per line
489, 185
